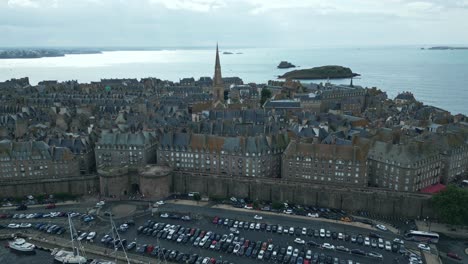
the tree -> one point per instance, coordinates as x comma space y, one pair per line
265, 95
197, 197
451, 205
277, 205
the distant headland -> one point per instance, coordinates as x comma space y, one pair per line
323, 72
446, 48
41, 53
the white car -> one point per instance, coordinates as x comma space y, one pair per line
308, 254
13, 226
399, 241
299, 241
91, 236
424, 247
160, 203
82, 236
313, 215
322, 233
258, 217
381, 227
100, 204
367, 241
25, 225
164, 215
304, 231
296, 252
289, 251
388, 245
260, 254
328, 246
288, 211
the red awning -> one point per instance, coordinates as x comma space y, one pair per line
434, 188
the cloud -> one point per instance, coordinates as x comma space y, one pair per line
33, 4
191, 5
23, 3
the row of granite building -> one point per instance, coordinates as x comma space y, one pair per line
324, 134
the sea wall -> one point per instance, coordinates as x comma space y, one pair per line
375, 201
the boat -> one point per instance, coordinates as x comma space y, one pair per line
68, 257
20, 245
73, 256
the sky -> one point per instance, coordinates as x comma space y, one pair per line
236, 23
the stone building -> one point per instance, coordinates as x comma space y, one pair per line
148, 181
232, 156
125, 149
329, 164
36, 160
81, 147
333, 98
408, 167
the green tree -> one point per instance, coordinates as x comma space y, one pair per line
277, 205
197, 197
451, 205
265, 95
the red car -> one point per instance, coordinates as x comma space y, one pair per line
149, 249
215, 220
50, 206
454, 255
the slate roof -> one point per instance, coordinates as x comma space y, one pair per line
32, 150
257, 144
128, 139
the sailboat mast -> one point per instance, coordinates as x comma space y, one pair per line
71, 234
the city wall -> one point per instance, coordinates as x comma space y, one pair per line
374, 201
79, 185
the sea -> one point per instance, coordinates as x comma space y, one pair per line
9, 257
435, 77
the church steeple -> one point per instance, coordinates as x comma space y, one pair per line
218, 86
217, 80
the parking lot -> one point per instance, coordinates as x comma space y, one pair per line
334, 246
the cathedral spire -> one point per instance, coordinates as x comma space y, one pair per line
217, 80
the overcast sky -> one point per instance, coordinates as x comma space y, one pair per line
251, 23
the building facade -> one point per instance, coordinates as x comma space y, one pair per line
125, 149
231, 156
325, 164
408, 167
36, 160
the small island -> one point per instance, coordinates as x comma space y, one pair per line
447, 48
227, 53
286, 65
323, 72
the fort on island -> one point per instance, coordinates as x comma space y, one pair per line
340, 146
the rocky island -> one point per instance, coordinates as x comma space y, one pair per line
40, 53
285, 65
323, 72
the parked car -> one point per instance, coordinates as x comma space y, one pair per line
258, 217
381, 227
328, 246
454, 255
299, 241
424, 247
